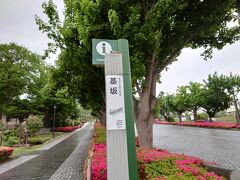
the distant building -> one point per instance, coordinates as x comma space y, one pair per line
231, 110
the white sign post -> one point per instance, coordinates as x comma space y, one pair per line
115, 102
117, 155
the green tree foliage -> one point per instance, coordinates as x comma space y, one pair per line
65, 104
84, 81
233, 89
21, 71
228, 84
34, 123
187, 98
21, 109
24, 74
181, 101
165, 106
214, 97
157, 32
214, 101
53, 27
83, 114
195, 97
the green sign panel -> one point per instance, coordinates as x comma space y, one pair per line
101, 47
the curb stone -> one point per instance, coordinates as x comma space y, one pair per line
88, 162
230, 174
89, 165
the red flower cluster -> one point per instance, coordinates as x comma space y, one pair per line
66, 129
99, 164
5, 152
149, 155
191, 165
225, 125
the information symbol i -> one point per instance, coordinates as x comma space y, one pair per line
103, 48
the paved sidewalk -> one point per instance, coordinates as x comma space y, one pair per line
67, 157
214, 145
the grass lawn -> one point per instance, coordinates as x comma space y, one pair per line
46, 138
231, 119
23, 150
100, 133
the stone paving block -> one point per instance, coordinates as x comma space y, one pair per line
214, 145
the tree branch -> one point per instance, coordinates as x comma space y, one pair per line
173, 56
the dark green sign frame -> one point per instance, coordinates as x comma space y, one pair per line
99, 48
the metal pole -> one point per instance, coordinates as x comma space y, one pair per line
54, 115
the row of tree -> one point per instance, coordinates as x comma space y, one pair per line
157, 32
27, 87
216, 94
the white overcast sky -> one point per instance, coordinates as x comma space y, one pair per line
17, 24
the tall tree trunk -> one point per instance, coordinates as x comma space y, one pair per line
211, 114
48, 119
179, 117
102, 116
236, 110
195, 114
210, 119
145, 114
144, 122
102, 113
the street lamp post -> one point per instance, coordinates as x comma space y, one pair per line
54, 115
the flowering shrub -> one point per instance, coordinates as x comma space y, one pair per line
66, 129
159, 164
224, 125
34, 123
5, 152
156, 164
99, 164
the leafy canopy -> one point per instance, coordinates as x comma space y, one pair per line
21, 71
157, 31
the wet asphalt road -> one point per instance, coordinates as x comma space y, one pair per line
214, 145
